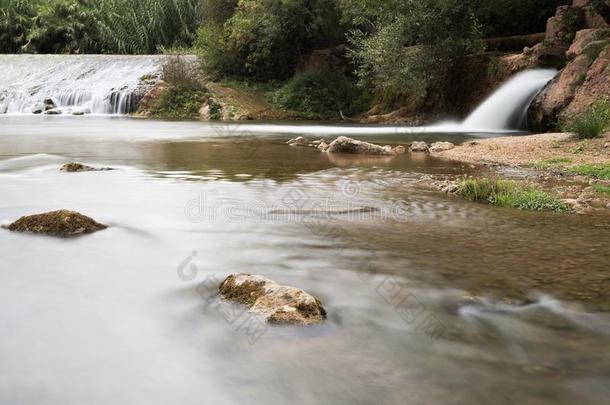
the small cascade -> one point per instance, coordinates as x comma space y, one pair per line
506, 109
78, 84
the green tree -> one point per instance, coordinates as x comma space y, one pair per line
266, 39
16, 19
413, 45
63, 26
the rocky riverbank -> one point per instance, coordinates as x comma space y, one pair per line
576, 171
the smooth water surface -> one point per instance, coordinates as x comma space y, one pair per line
431, 299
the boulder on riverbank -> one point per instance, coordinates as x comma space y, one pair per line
75, 167
419, 146
344, 144
61, 223
441, 147
278, 303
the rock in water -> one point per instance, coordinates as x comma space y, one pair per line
57, 223
300, 141
441, 146
74, 167
344, 144
278, 303
418, 146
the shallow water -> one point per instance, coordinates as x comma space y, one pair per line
430, 299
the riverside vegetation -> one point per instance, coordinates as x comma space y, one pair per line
386, 54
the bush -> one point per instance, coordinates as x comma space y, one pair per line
266, 39
179, 103
320, 94
64, 26
504, 193
16, 19
413, 46
179, 71
592, 122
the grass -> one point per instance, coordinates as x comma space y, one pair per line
505, 193
578, 149
592, 122
551, 163
599, 171
601, 188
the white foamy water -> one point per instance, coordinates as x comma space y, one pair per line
97, 84
507, 107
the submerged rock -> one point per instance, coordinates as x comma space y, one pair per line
441, 146
300, 141
61, 223
278, 303
418, 146
344, 144
54, 111
75, 167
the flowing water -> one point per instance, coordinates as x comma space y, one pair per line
93, 84
430, 299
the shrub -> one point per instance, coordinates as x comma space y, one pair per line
320, 94
181, 72
179, 103
413, 46
265, 39
504, 193
592, 122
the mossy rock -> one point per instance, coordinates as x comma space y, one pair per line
74, 167
61, 223
281, 305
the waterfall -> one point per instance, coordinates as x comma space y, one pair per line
507, 108
97, 84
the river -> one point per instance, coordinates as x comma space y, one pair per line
430, 299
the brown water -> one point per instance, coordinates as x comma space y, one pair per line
431, 299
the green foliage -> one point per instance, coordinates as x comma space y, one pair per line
63, 26
530, 199
265, 39
601, 188
414, 45
320, 94
592, 122
179, 103
143, 26
551, 163
504, 193
599, 171
96, 26
16, 20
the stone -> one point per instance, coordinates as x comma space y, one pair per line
418, 146
54, 111
344, 144
61, 223
300, 141
323, 146
279, 304
74, 167
441, 146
